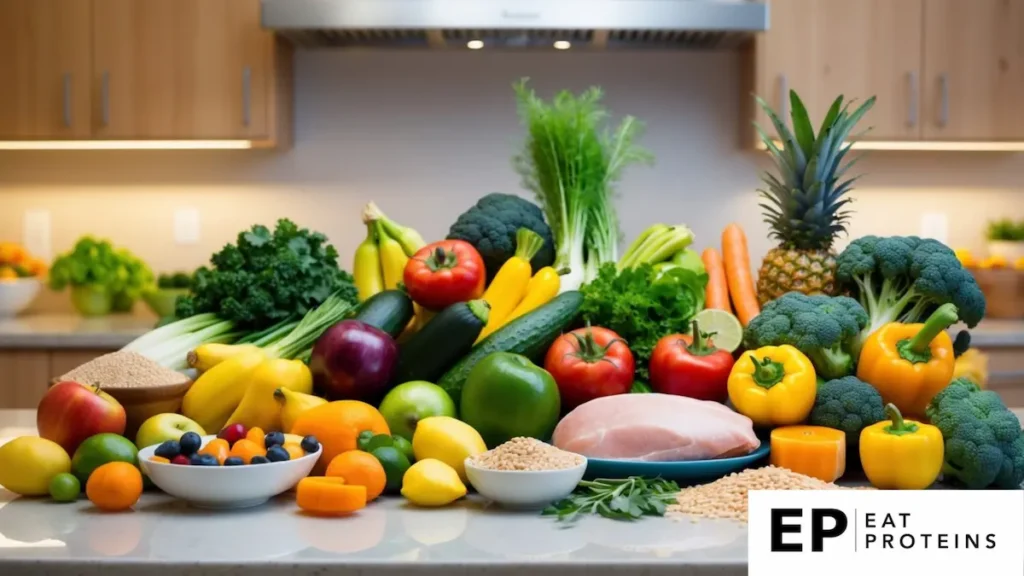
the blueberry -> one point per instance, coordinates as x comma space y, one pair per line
233, 461
204, 460
310, 444
168, 449
259, 460
273, 439
189, 443
277, 454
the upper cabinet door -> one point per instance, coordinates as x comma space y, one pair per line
45, 72
974, 69
858, 49
180, 69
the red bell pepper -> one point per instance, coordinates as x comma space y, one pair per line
691, 366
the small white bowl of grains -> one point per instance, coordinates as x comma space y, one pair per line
525, 473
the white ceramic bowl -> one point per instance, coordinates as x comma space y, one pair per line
524, 489
16, 295
226, 486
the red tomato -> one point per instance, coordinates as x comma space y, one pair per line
590, 363
680, 367
443, 273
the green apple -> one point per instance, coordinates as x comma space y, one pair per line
406, 404
163, 427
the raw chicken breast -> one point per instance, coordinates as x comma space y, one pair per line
655, 427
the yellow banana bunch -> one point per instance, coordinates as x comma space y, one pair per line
392, 258
217, 393
258, 407
206, 356
293, 403
381, 258
369, 278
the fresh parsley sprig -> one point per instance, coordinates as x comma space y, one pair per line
628, 499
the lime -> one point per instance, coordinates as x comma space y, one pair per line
404, 446
363, 439
102, 449
64, 487
728, 332
379, 441
395, 464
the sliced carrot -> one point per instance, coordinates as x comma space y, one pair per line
329, 496
716, 295
814, 451
737, 272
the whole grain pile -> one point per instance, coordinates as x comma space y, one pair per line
123, 369
527, 454
727, 497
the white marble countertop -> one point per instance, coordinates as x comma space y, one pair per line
72, 332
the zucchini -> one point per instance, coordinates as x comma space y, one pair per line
389, 310
529, 335
447, 337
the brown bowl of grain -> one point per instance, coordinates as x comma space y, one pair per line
142, 386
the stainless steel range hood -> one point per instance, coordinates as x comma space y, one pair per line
679, 24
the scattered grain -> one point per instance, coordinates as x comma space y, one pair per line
123, 369
527, 454
727, 497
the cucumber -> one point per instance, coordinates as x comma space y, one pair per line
447, 337
389, 310
529, 335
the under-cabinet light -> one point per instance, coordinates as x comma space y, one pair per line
125, 144
929, 146
475, 44
562, 45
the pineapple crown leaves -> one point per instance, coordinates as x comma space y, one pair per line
804, 205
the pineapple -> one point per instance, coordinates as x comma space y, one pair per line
804, 204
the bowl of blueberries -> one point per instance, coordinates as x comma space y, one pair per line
237, 468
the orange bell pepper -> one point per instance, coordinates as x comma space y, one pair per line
909, 363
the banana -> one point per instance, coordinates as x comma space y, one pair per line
258, 407
392, 258
369, 278
206, 356
294, 403
410, 239
217, 393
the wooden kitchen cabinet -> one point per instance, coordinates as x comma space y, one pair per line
26, 374
45, 69
142, 70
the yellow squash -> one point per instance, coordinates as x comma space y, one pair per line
258, 407
544, 286
910, 363
773, 385
216, 394
900, 454
511, 283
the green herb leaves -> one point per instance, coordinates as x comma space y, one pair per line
628, 499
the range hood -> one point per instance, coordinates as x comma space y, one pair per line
673, 24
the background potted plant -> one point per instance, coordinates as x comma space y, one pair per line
1006, 239
162, 297
101, 277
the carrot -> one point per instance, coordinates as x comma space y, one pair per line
329, 496
716, 295
736, 260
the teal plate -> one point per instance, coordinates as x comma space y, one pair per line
683, 472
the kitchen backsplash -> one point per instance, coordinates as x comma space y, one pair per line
425, 134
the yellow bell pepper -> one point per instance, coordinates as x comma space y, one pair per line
900, 454
909, 363
773, 385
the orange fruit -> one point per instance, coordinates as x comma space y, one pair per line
329, 496
218, 448
337, 426
295, 451
359, 468
159, 459
257, 435
114, 486
246, 449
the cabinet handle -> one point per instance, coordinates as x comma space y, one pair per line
944, 104
783, 98
105, 99
912, 91
67, 100
246, 95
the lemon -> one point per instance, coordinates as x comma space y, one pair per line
727, 330
431, 482
28, 463
447, 439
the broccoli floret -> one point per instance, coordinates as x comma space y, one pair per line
847, 404
491, 225
984, 442
905, 278
822, 327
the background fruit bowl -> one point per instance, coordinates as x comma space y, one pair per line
16, 295
226, 487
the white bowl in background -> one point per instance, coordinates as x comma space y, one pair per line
226, 487
16, 295
524, 489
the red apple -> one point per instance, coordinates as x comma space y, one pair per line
70, 412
